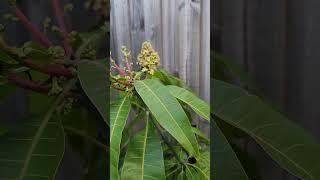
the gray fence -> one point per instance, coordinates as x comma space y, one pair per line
178, 29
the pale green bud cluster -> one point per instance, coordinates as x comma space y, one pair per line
55, 88
68, 7
10, 17
148, 58
126, 53
56, 52
89, 53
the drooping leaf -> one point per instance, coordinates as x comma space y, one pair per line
197, 104
93, 79
144, 158
200, 134
226, 164
168, 79
34, 148
284, 141
119, 112
168, 112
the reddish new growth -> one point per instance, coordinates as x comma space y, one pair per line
50, 69
124, 80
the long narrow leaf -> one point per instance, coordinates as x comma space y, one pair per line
197, 104
118, 117
284, 141
34, 149
168, 112
93, 78
226, 164
144, 159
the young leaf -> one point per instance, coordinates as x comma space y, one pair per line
284, 141
144, 159
93, 79
168, 79
197, 104
226, 165
168, 112
119, 112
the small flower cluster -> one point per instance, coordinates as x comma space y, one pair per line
148, 58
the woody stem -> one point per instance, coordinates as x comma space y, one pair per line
60, 18
32, 28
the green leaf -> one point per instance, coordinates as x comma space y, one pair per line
5, 58
36, 52
168, 79
200, 134
284, 141
93, 79
119, 112
34, 148
144, 158
197, 104
226, 164
168, 112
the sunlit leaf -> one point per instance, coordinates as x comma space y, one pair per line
168, 112
197, 104
144, 158
119, 112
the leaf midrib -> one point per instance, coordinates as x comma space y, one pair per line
272, 147
42, 127
167, 112
144, 149
117, 116
194, 107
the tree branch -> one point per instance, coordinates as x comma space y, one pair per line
50, 69
60, 18
27, 84
117, 87
32, 28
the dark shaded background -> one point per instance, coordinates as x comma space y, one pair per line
278, 43
14, 107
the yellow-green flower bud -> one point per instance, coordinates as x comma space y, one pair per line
148, 58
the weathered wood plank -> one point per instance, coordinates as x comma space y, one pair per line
178, 30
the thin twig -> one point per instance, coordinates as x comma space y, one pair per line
27, 84
118, 87
50, 69
60, 18
43, 39
129, 69
121, 71
122, 82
